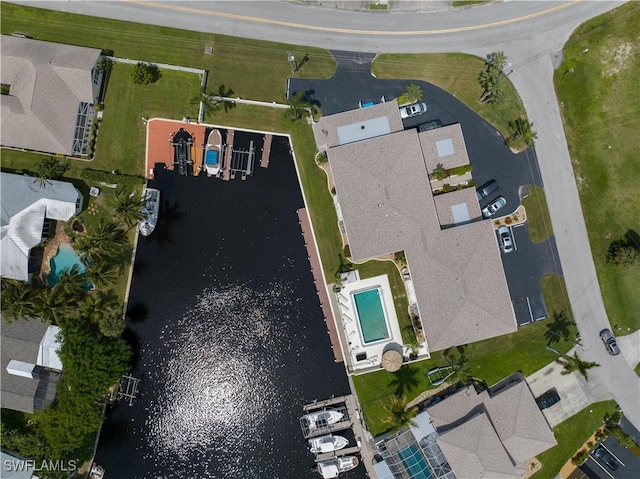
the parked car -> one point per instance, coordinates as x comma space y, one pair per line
609, 341
430, 125
548, 399
413, 110
604, 456
486, 189
504, 233
494, 206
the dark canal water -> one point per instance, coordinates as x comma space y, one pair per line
230, 334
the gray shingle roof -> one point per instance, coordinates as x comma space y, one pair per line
21, 342
385, 197
48, 81
514, 419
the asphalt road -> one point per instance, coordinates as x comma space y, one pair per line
530, 33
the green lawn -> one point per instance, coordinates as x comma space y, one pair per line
490, 361
571, 435
253, 69
556, 299
537, 214
457, 73
597, 88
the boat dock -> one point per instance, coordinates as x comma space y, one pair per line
266, 151
318, 279
340, 452
226, 163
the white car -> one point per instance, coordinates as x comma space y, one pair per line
413, 110
505, 239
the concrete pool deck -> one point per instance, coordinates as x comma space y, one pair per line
354, 342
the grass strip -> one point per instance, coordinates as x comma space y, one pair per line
597, 91
537, 214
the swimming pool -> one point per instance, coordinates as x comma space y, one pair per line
371, 315
415, 463
64, 260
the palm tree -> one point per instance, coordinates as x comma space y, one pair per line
102, 271
298, 106
574, 363
49, 168
413, 93
72, 282
53, 305
522, 128
492, 83
18, 299
129, 208
497, 61
98, 304
111, 325
399, 416
106, 239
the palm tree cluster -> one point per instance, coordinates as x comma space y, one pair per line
400, 416
299, 106
492, 79
49, 168
575, 363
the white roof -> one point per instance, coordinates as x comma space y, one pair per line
48, 351
24, 206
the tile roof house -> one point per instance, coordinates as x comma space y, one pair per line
471, 435
30, 365
381, 177
24, 206
52, 88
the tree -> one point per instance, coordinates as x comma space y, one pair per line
399, 415
497, 61
106, 239
97, 304
129, 208
413, 93
18, 299
574, 363
111, 325
299, 107
102, 271
492, 83
49, 168
522, 128
626, 256
54, 305
203, 98
144, 73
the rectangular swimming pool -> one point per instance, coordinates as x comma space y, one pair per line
414, 463
371, 315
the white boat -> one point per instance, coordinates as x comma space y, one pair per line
331, 468
213, 153
151, 199
96, 472
328, 443
319, 419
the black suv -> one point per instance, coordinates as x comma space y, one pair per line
604, 456
548, 399
430, 125
486, 189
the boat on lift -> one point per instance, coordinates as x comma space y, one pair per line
151, 200
213, 153
332, 467
328, 443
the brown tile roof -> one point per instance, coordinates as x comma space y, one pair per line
439, 139
386, 201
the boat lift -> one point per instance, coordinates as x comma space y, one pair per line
127, 389
321, 428
242, 161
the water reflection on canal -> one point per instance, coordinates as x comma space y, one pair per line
230, 333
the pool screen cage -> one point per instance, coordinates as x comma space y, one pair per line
409, 460
321, 427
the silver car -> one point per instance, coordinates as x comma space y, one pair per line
505, 239
413, 110
494, 206
609, 341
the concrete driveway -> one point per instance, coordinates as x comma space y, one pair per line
575, 392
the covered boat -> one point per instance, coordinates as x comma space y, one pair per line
213, 153
151, 200
328, 443
331, 468
324, 418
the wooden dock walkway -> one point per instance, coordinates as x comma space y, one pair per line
341, 452
226, 164
321, 288
266, 151
322, 404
